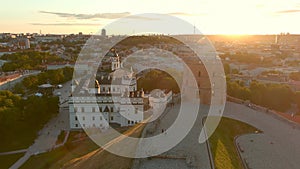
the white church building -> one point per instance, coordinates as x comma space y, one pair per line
112, 98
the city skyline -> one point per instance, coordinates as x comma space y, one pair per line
210, 17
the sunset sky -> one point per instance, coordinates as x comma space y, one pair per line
209, 16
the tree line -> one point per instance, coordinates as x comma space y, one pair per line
21, 119
156, 79
274, 96
27, 60
53, 77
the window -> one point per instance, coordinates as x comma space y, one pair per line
94, 125
93, 109
76, 125
75, 109
112, 109
82, 109
76, 118
128, 122
83, 125
100, 109
112, 118
199, 73
93, 118
83, 118
100, 117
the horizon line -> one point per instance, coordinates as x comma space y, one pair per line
209, 34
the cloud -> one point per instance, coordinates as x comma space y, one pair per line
111, 15
65, 24
288, 11
88, 16
180, 13
184, 14
142, 17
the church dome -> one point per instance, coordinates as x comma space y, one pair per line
112, 53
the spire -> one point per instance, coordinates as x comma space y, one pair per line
194, 29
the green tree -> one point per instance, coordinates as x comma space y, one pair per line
226, 68
297, 99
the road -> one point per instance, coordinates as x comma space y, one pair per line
48, 135
10, 83
187, 154
278, 147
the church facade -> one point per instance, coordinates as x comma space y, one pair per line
112, 98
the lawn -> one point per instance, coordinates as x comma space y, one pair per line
103, 159
222, 144
61, 137
20, 137
58, 157
77, 146
8, 160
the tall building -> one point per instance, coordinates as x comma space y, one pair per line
103, 32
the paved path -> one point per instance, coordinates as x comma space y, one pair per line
14, 152
189, 153
48, 135
278, 147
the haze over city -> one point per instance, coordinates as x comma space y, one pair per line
209, 16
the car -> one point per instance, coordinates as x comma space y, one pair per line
38, 94
59, 86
